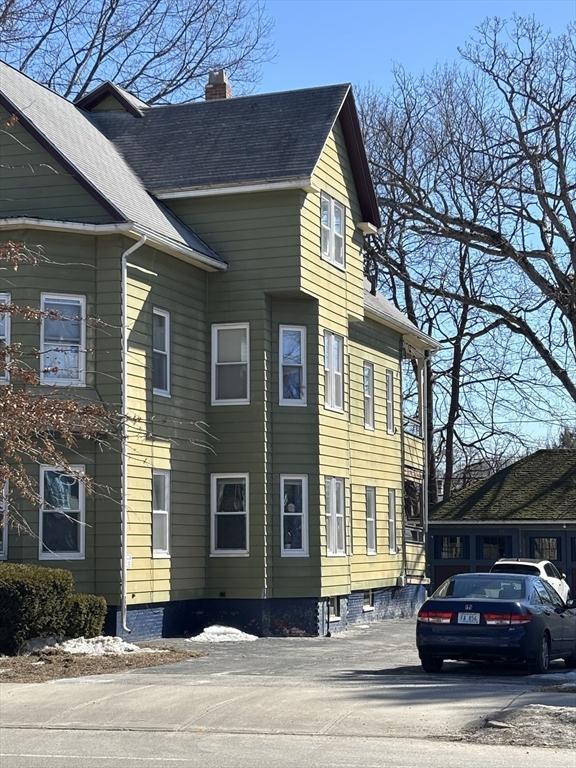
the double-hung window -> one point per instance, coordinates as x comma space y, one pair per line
160, 513
335, 516
63, 340
390, 420
368, 375
332, 226
4, 521
392, 535
160, 352
229, 512
371, 520
294, 514
62, 514
292, 354
4, 337
230, 364
333, 371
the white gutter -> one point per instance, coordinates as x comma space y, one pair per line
128, 228
555, 523
404, 329
124, 447
304, 183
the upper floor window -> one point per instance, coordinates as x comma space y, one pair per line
160, 352
368, 375
371, 520
333, 371
333, 220
160, 512
4, 336
390, 418
335, 516
4, 521
62, 514
545, 547
294, 512
63, 340
229, 512
451, 547
230, 364
493, 547
292, 365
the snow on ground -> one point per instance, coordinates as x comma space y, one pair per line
219, 634
100, 646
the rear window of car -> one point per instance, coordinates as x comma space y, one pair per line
505, 588
528, 570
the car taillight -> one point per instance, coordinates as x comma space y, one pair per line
506, 619
435, 617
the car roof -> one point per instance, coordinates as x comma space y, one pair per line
492, 575
529, 560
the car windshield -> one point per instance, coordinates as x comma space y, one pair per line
525, 568
505, 588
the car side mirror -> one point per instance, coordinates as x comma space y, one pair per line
570, 603
564, 576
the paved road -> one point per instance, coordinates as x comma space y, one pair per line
359, 699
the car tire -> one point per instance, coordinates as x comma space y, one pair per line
431, 663
541, 663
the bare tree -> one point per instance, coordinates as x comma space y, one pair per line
160, 50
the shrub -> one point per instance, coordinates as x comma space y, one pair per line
86, 614
33, 603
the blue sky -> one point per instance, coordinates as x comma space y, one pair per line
332, 41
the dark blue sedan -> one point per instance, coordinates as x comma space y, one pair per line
496, 616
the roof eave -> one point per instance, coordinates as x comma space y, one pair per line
413, 336
303, 182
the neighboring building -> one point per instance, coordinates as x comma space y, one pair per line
527, 509
220, 244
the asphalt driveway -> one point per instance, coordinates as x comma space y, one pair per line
361, 687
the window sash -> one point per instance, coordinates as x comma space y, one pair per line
368, 377
76, 516
286, 516
161, 513
292, 366
4, 521
240, 365
219, 516
5, 323
335, 516
332, 230
161, 354
51, 346
390, 420
333, 371
392, 531
371, 520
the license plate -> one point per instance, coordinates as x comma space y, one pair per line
468, 618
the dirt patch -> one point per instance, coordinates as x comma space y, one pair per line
535, 725
52, 665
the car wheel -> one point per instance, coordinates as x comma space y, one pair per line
431, 663
541, 663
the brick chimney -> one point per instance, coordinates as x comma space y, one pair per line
218, 86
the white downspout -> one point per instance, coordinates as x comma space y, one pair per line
124, 446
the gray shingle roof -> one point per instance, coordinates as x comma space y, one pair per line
541, 486
268, 137
94, 158
385, 309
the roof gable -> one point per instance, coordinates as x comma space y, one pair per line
110, 91
541, 486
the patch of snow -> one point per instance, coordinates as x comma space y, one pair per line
219, 634
101, 646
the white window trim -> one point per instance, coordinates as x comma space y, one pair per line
162, 554
330, 373
5, 299
167, 338
369, 416
301, 329
81, 380
304, 552
80, 555
392, 523
330, 256
213, 499
4, 520
390, 416
332, 520
371, 550
230, 326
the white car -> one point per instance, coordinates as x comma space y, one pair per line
543, 568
